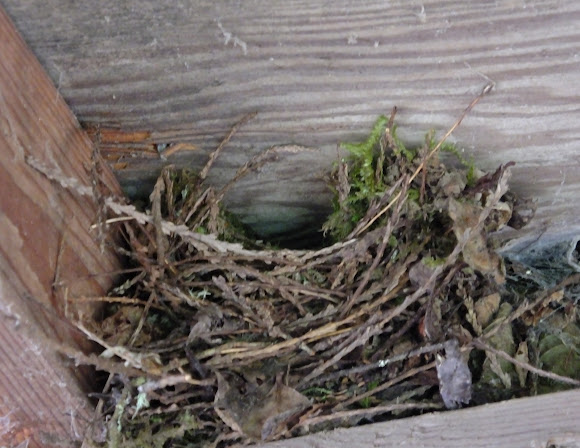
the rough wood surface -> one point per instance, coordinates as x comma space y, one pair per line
46, 251
547, 421
319, 73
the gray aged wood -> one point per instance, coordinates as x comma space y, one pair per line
319, 73
537, 422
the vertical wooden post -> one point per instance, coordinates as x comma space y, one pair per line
46, 250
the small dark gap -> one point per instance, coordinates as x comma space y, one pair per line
308, 237
312, 240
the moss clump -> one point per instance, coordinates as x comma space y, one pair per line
376, 164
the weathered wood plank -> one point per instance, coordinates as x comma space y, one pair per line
46, 252
319, 73
538, 422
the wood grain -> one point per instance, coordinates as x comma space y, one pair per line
319, 73
537, 422
47, 252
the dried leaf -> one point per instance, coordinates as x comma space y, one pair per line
471, 315
201, 328
454, 376
421, 272
494, 183
502, 369
476, 254
560, 351
494, 365
522, 213
499, 217
522, 355
452, 183
433, 319
228, 404
486, 307
534, 316
281, 404
256, 414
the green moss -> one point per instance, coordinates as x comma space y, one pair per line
364, 159
367, 402
400, 148
152, 434
366, 165
432, 262
373, 165
320, 394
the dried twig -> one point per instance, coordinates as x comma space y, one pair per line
368, 412
214, 155
387, 384
388, 231
527, 306
479, 343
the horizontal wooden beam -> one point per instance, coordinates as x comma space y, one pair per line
318, 74
542, 422
47, 252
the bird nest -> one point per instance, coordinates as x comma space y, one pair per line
215, 339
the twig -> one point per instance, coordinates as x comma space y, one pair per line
571, 280
97, 194
367, 412
146, 362
172, 380
391, 225
144, 314
214, 155
375, 365
479, 343
105, 299
160, 240
361, 334
256, 162
386, 385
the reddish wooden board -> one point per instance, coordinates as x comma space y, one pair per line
45, 239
